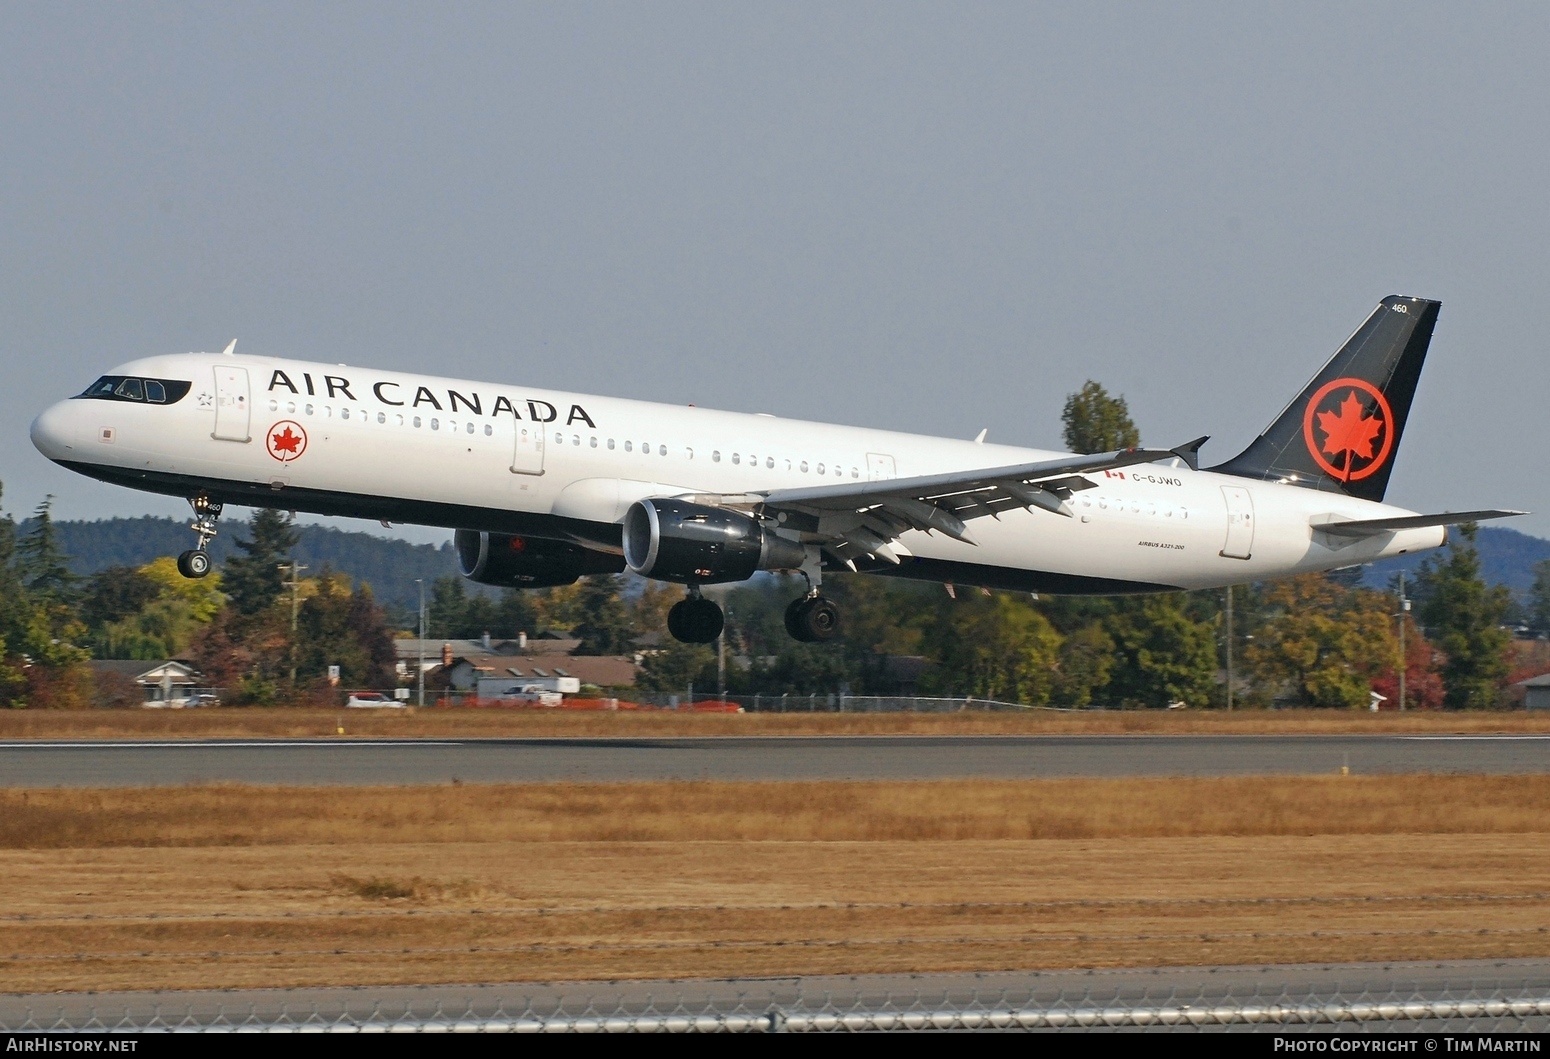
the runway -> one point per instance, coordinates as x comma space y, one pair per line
414, 761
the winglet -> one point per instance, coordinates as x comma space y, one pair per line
1189, 452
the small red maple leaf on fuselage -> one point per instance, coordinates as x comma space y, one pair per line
286, 442
1351, 430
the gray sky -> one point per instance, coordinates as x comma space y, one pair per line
923, 217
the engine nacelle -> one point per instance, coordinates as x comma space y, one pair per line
527, 562
671, 540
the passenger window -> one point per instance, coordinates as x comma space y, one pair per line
399, 420
629, 446
715, 456
131, 389
417, 422
610, 444
661, 450
645, 448
855, 473
489, 431
382, 417
575, 439
471, 428
274, 406
559, 439
820, 468
769, 463
689, 453
594, 443
804, 466
435, 424
309, 409
290, 406
736, 458
344, 413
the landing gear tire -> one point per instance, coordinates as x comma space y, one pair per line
695, 620
194, 563
813, 620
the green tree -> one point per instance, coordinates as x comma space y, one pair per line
113, 594
1086, 662
676, 666
338, 627
605, 627
1162, 655
999, 647
1463, 617
1321, 641
44, 565
1539, 597
253, 580
1096, 422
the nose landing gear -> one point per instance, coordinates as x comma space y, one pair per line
195, 562
695, 619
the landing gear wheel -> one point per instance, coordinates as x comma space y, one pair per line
695, 620
813, 620
194, 563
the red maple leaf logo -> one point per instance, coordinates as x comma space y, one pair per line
1351, 430
287, 441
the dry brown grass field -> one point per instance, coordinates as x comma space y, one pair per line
247, 886
282, 722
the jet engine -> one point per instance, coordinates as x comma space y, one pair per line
672, 540
527, 562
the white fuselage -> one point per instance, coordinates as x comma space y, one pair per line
474, 455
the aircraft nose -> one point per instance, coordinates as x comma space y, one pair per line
53, 432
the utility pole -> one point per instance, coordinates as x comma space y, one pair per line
294, 584
721, 663
1229, 647
420, 672
1404, 661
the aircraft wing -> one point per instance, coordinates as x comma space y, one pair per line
855, 519
1373, 526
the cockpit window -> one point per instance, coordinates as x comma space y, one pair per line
127, 388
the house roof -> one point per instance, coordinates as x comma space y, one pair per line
603, 670
1541, 681
147, 670
409, 650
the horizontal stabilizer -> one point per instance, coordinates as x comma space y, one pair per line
1373, 526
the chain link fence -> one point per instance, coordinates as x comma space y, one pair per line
838, 702
1464, 1007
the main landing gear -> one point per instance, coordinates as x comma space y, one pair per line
812, 618
195, 562
695, 619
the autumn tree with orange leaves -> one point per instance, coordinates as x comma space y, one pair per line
1320, 643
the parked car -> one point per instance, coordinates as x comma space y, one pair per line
372, 700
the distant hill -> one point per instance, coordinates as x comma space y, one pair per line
389, 566
1507, 557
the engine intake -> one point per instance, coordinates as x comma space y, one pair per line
671, 540
527, 562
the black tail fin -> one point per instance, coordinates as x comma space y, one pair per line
1343, 430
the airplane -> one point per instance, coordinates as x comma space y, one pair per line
543, 487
